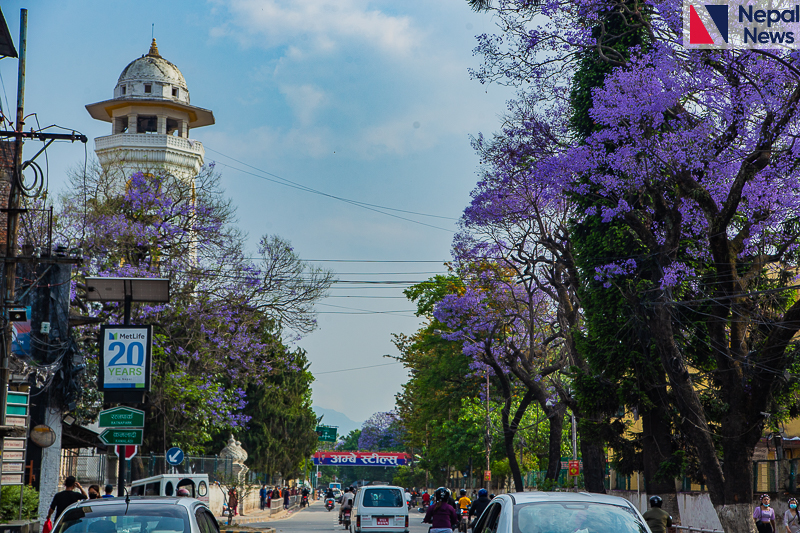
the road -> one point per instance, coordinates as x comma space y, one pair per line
316, 518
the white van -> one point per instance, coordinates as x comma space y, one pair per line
380, 508
168, 485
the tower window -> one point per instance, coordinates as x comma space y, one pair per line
175, 92
148, 88
123, 89
146, 124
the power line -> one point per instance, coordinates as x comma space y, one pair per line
315, 191
356, 368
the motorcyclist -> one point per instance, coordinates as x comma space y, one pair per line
441, 516
480, 504
658, 520
463, 500
347, 502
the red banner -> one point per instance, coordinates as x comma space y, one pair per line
361, 458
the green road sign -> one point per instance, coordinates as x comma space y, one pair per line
121, 417
326, 434
122, 436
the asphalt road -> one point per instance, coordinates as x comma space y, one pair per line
316, 518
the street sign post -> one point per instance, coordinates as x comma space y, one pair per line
574, 468
326, 434
174, 456
121, 417
129, 437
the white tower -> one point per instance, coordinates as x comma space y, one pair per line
151, 117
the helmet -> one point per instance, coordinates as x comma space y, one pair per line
491, 496
463, 492
655, 501
483, 493
442, 494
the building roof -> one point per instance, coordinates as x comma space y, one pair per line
151, 67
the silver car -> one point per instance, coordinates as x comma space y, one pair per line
156, 514
560, 512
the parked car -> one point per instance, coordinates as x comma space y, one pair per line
380, 509
137, 515
560, 512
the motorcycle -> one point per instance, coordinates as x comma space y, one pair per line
463, 524
346, 519
304, 501
329, 503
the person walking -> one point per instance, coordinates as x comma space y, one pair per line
286, 494
262, 497
658, 520
94, 492
66, 497
109, 491
791, 520
233, 502
764, 516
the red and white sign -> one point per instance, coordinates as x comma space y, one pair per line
382, 520
487, 475
130, 451
361, 458
319, 474
574, 468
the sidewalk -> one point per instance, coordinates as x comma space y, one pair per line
259, 516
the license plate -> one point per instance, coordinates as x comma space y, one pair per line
382, 521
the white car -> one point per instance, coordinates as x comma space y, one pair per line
560, 512
137, 515
380, 509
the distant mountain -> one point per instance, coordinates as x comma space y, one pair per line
335, 418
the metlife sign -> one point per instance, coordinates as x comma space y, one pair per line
741, 24
125, 358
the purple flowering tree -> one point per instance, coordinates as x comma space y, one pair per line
383, 431
229, 312
504, 323
695, 153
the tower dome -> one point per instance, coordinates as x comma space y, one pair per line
152, 76
151, 118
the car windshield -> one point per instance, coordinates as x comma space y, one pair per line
383, 498
134, 518
575, 517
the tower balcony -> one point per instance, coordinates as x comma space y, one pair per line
144, 152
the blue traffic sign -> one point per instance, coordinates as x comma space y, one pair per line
174, 456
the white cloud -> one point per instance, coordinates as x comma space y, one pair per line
304, 101
323, 24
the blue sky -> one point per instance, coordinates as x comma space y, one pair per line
366, 100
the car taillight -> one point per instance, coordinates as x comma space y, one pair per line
358, 521
406, 520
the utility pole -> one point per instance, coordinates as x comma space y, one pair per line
488, 436
12, 212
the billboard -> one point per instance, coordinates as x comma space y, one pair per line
125, 358
361, 458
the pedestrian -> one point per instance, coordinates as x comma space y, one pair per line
764, 516
109, 491
658, 520
286, 497
233, 502
790, 518
66, 497
262, 495
94, 492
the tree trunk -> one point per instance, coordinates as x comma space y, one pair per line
554, 444
737, 518
657, 448
593, 456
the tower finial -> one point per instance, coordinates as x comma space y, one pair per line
153, 49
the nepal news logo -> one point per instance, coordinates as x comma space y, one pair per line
737, 24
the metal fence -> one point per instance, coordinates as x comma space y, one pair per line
89, 467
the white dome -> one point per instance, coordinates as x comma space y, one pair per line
152, 76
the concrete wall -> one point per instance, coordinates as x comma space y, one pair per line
695, 507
